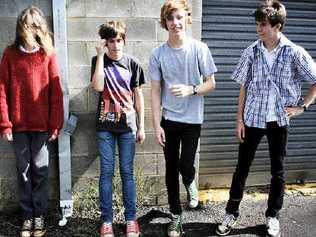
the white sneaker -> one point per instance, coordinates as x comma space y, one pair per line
193, 195
273, 227
226, 226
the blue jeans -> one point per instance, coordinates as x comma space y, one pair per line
126, 146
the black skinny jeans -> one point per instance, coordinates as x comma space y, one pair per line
188, 136
277, 140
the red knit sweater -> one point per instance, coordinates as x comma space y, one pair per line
31, 98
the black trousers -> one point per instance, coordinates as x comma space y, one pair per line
179, 160
32, 172
277, 140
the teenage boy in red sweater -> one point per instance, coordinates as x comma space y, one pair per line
31, 112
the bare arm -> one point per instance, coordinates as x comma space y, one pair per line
98, 75
156, 111
139, 106
181, 90
308, 100
240, 126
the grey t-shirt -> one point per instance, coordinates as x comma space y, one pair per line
185, 65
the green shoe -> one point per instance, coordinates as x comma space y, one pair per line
175, 226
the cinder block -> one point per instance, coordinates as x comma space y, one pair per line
77, 54
83, 141
6, 150
109, 8
161, 165
86, 167
79, 77
147, 163
93, 100
83, 29
7, 29
142, 51
141, 29
75, 8
149, 145
13, 8
147, 8
148, 121
78, 100
147, 97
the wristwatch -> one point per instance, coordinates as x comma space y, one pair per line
194, 90
304, 107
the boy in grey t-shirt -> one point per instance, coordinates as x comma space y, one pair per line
177, 69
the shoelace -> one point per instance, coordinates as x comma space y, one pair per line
191, 192
27, 224
39, 222
175, 223
106, 228
228, 220
132, 227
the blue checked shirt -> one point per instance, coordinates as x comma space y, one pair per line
291, 66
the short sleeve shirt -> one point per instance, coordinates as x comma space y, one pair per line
185, 65
116, 111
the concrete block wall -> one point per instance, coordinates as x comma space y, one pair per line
83, 18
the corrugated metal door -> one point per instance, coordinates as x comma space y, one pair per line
228, 27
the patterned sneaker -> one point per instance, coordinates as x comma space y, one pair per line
132, 229
175, 226
39, 226
273, 227
193, 195
106, 230
27, 228
226, 226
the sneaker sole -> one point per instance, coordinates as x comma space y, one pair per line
223, 234
26, 235
279, 235
39, 235
226, 233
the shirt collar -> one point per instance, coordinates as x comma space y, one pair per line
283, 42
35, 49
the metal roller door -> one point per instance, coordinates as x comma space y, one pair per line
228, 27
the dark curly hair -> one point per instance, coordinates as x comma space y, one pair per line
272, 11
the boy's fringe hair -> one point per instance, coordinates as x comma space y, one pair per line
32, 28
111, 29
172, 5
272, 11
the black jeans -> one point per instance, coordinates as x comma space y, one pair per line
32, 159
188, 136
277, 140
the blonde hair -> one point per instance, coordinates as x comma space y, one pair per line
173, 5
32, 29
111, 29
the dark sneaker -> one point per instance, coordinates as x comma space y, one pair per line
39, 227
132, 229
27, 228
175, 226
273, 227
193, 195
106, 230
226, 226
